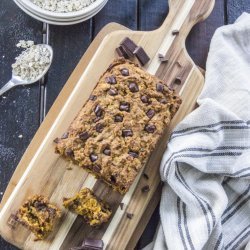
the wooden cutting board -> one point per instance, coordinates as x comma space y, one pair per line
46, 173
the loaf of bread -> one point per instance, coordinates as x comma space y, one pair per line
115, 132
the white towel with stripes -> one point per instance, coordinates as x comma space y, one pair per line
206, 169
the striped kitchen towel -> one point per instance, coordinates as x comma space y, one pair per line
206, 169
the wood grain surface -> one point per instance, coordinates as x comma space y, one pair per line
22, 104
50, 171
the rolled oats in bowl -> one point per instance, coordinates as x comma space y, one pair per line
63, 6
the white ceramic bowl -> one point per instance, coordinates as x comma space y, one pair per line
59, 21
89, 9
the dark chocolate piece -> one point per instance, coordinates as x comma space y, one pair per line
128, 44
110, 80
121, 205
125, 72
99, 127
133, 87
150, 113
97, 168
150, 128
159, 87
84, 136
175, 32
92, 244
113, 92
177, 80
107, 151
56, 140
163, 101
125, 106
69, 152
93, 97
65, 136
118, 118
121, 51
162, 58
145, 99
130, 216
133, 154
127, 132
98, 110
141, 55
93, 157
145, 189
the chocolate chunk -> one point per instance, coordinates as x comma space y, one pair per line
98, 110
125, 106
150, 128
91, 244
56, 140
121, 51
111, 80
145, 189
118, 118
141, 55
99, 127
93, 97
107, 151
77, 248
130, 216
84, 136
159, 87
177, 80
125, 72
145, 99
121, 205
175, 32
127, 132
133, 154
97, 168
129, 44
65, 136
150, 113
145, 176
69, 152
133, 87
113, 179
163, 101
112, 92
39, 205
93, 157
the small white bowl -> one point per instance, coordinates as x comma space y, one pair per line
61, 15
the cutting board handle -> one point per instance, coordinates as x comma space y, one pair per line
184, 14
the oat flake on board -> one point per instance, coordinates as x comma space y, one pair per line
63, 5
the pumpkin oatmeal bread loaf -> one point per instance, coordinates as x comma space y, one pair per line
86, 204
38, 215
118, 127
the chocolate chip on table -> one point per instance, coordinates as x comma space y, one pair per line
69, 152
84, 136
124, 106
145, 99
128, 44
65, 135
92, 244
127, 132
93, 97
133, 154
118, 118
177, 80
56, 140
96, 168
107, 151
159, 87
150, 113
141, 55
98, 110
112, 92
163, 58
125, 72
99, 127
145, 176
121, 51
133, 87
130, 216
150, 128
175, 32
111, 80
145, 189
93, 157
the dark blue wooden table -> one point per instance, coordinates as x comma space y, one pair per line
21, 109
